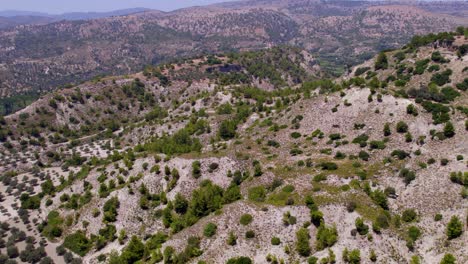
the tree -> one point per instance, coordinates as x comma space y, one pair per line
316, 217
402, 127
239, 260
381, 63
454, 228
449, 130
134, 251
246, 219
196, 171
409, 215
210, 229
361, 227
275, 241
448, 259
326, 237
372, 256
354, 256
78, 243
227, 129
302, 243
232, 239
180, 204
412, 110
12, 252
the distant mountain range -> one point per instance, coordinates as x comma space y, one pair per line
37, 58
11, 18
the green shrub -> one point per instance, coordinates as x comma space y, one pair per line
402, 127
326, 237
77, 243
250, 234
412, 110
407, 175
246, 219
179, 142
363, 155
361, 140
441, 78
414, 233
296, 135
134, 251
463, 86
380, 199
111, 209
275, 241
302, 242
459, 178
196, 170
375, 144
400, 154
227, 129
257, 194
409, 215
361, 227
454, 228
361, 70
449, 130
328, 166
316, 217
448, 259
381, 62
239, 260
210, 230
232, 239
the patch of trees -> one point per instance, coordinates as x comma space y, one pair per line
437, 57
180, 142
440, 113
442, 77
204, 200
419, 41
51, 228
156, 114
459, 177
30, 202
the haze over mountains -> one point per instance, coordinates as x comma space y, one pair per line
12, 18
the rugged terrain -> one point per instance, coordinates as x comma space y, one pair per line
253, 155
38, 58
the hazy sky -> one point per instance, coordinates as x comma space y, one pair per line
61, 6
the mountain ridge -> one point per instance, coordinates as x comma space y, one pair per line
197, 30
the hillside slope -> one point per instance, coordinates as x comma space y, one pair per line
246, 157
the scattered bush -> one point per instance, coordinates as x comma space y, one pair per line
210, 230
246, 219
326, 237
454, 228
302, 243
